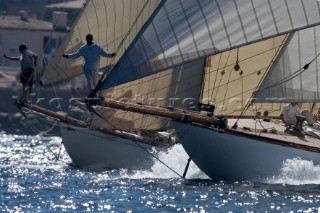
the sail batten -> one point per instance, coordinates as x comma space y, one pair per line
188, 30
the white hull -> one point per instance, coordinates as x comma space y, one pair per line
230, 157
91, 149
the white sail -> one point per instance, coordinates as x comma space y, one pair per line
182, 31
287, 80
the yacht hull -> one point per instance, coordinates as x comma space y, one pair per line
91, 149
231, 157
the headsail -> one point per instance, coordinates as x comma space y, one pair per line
177, 87
287, 80
181, 31
109, 21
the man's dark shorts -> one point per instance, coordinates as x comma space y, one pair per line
26, 77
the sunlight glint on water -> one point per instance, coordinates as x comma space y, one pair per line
32, 179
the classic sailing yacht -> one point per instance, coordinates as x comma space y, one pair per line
114, 138
240, 41
184, 31
273, 75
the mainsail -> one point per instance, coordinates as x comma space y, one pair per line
181, 31
230, 90
177, 87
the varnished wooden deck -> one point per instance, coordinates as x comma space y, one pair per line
254, 128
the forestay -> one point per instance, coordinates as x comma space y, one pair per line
180, 31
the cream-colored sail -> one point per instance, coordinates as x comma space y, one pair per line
230, 90
179, 32
187, 36
109, 21
179, 87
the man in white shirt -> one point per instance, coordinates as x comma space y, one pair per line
91, 53
28, 61
289, 113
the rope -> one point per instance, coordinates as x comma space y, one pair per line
249, 102
291, 76
111, 64
136, 143
50, 36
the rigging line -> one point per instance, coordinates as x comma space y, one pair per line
114, 125
248, 58
55, 93
215, 80
242, 93
44, 132
207, 82
222, 73
55, 26
156, 79
124, 113
150, 153
233, 96
237, 80
112, 65
114, 24
33, 127
106, 21
278, 51
254, 109
50, 37
226, 90
74, 26
291, 76
190, 28
288, 38
97, 23
316, 50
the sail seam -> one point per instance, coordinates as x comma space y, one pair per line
288, 11
223, 22
256, 18
272, 14
240, 19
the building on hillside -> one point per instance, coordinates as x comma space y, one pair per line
73, 4
40, 36
12, 7
72, 7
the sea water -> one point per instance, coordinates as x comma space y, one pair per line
36, 176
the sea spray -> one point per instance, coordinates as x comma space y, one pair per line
297, 172
174, 159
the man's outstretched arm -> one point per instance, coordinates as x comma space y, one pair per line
11, 58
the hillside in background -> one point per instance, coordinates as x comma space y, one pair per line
37, 8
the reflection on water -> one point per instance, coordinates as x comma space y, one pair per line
36, 176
